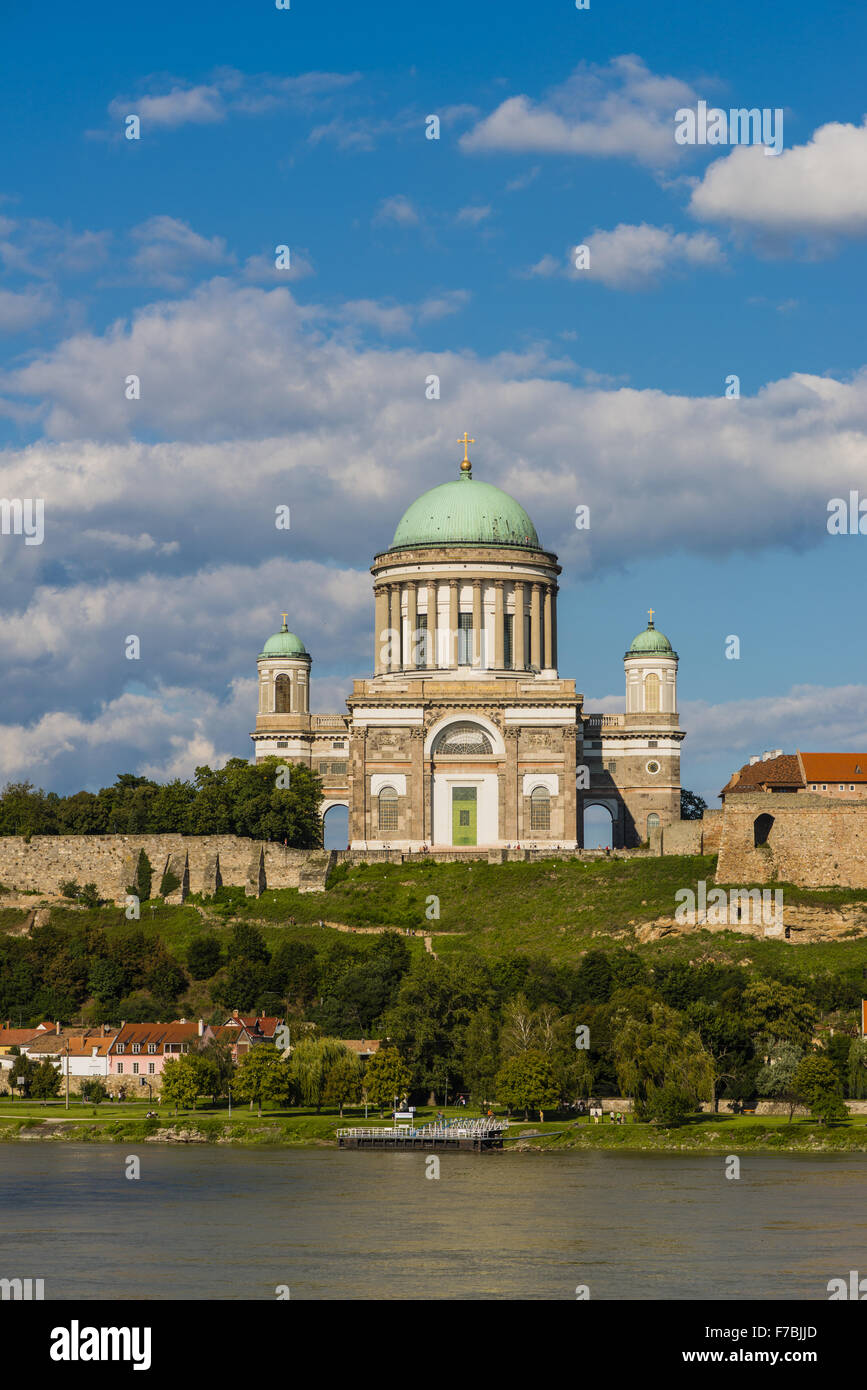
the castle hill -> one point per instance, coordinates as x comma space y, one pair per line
189, 961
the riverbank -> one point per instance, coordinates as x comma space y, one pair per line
720, 1134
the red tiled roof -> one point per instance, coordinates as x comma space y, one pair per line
784, 771
157, 1033
14, 1037
834, 767
362, 1045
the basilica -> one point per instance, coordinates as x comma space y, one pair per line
466, 735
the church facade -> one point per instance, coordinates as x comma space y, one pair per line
466, 735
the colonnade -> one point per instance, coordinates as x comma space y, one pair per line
439, 650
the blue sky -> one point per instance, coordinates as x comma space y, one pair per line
409, 257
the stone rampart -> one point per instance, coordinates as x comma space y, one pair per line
201, 863
812, 841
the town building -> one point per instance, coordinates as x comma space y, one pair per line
842, 775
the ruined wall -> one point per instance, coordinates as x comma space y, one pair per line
202, 863
711, 830
682, 837
813, 842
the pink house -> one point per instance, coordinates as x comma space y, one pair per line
140, 1050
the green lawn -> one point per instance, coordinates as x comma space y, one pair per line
114, 1122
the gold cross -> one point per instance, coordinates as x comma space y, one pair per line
284, 616
650, 614
465, 441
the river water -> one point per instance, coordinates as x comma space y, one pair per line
205, 1223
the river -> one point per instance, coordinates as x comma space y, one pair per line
207, 1223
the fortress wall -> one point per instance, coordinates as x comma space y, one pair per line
201, 862
711, 830
814, 841
682, 837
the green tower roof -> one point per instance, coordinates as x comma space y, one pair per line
284, 643
651, 641
467, 512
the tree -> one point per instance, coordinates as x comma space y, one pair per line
21, 1073
218, 1069
343, 1081
203, 957
724, 1036
669, 1105
857, 1068
309, 1066
479, 1056
774, 1010
45, 1081
180, 1081
818, 1084
692, 807
141, 887
93, 1091
527, 1082
661, 1051
263, 1076
777, 1078
387, 1077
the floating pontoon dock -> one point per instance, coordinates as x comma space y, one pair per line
473, 1135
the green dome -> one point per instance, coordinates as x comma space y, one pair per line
284, 643
465, 512
651, 641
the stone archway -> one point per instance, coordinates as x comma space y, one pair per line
599, 824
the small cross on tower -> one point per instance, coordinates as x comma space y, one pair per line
650, 616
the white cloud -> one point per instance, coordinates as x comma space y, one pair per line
397, 209
168, 248
621, 110
24, 310
818, 189
473, 215
632, 257
228, 92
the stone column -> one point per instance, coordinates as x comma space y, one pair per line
432, 599
381, 622
554, 659
535, 644
570, 795
452, 660
416, 753
498, 625
547, 658
509, 830
478, 634
412, 624
518, 657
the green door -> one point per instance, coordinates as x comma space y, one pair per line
463, 815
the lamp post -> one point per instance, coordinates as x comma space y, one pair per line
229, 1088
67, 1073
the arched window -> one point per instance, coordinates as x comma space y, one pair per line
762, 829
388, 809
463, 738
283, 695
540, 809
652, 823
651, 693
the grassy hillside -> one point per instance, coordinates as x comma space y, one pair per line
556, 908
